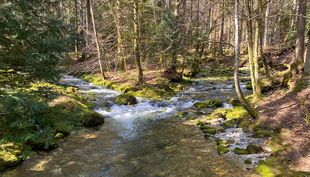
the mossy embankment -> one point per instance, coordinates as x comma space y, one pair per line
160, 91
35, 116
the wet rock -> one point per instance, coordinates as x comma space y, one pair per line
209, 131
190, 117
240, 151
217, 103
217, 115
248, 161
198, 122
234, 102
222, 150
184, 113
92, 118
254, 149
202, 104
230, 123
126, 99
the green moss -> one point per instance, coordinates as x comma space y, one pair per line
184, 113
91, 99
201, 105
209, 131
222, 150
240, 151
254, 149
205, 127
294, 174
126, 99
92, 118
237, 112
265, 169
230, 123
234, 102
262, 134
59, 136
190, 117
275, 143
217, 115
217, 103
8, 159
72, 89
198, 122
218, 141
248, 161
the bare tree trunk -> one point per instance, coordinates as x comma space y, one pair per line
307, 62
76, 28
222, 31
96, 39
300, 41
137, 42
294, 5
241, 97
262, 34
266, 25
256, 84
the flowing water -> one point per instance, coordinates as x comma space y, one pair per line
139, 140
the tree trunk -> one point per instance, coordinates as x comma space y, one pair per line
262, 35
76, 28
241, 97
300, 41
257, 90
266, 25
96, 39
222, 31
137, 42
307, 62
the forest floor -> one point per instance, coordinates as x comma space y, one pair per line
279, 109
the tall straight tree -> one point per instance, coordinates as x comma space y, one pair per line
300, 41
96, 40
241, 97
137, 41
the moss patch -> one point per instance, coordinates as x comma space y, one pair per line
126, 99
264, 169
222, 150
240, 151
248, 161
254, 149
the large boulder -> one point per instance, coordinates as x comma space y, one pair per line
126, 99
9, 158
92, 118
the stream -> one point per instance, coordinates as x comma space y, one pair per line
139, 140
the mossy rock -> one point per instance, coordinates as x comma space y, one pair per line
91, 99
209, 131
248, 161
234, 102
240, 151
9, 158
265, 169
274, 143
166, 88
261, 134
216, 103
92, 118
126, 99
72, 89
218, 141
205, 127
237, 112
201, 105
217, 115
191, 117
149, 92
198, 122
184, 113
222, 150
254, 149
230, 123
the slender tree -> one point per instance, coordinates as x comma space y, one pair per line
241, 97
96, 40
137, 42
